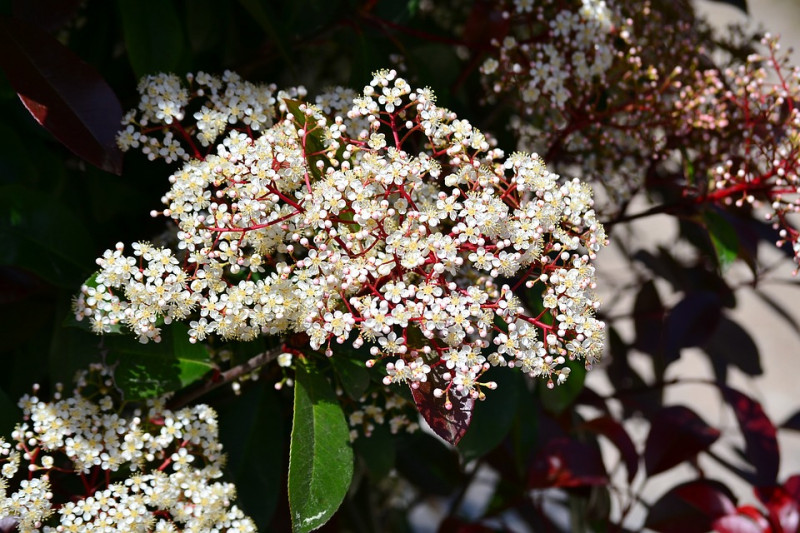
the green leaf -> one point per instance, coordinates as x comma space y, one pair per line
153, 35
723, 237
556, 400
150, 370
320, 456
251, 430
353, 375
494, 416
313, 142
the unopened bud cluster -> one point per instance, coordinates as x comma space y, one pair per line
394, 223
155, 471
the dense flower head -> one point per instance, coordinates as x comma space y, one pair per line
394, 224
155, 471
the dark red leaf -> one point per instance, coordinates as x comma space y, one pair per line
760, 436
62, 92
738, 523
792, 486
567, 463
676, 434
50, 15
784, 510
448, 424
690, 507
613, 430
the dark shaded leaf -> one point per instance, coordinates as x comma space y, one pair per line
251, 429
320, 455
153, 369
691, 323
353, 375
690, 507
561, 397
648, 319
732, 345
50, 15
429, 464
154, 36
739, 4
761, 443
63, 93
494, 416
377, 451
676, 434
567, 463
613, 430
42, 235
449, 424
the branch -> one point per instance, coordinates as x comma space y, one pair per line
223, 378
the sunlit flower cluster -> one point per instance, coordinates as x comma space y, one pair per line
155, 471
395, 224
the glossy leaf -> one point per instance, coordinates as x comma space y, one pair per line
320, 455
154, 37
676, 434
615, 432
67, 96
690, 507
153, 369
494, 416
723, 237
450, 424
760, 435
567, 462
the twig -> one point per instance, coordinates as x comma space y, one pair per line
225, 377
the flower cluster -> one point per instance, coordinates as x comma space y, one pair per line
621, 93
594, 83
156, 471
395, 224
